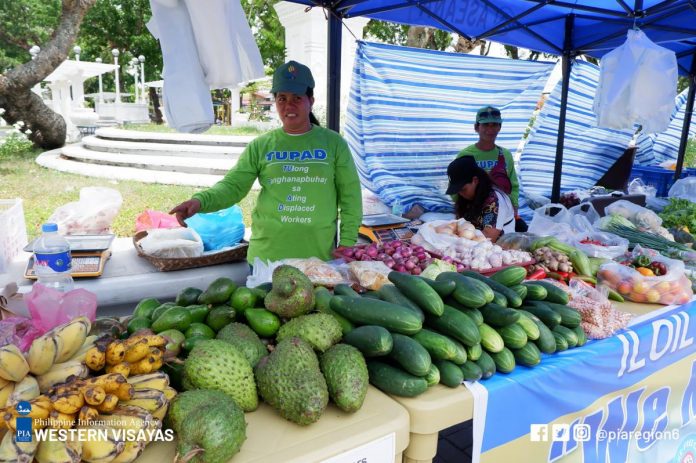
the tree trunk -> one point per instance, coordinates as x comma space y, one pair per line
464, 45
20, 103
420, 37
156, 106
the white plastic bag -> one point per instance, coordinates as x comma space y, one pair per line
684, 188
552, 219
638, 187
611, 246
91, 215
643, 218
172, 243
585, 210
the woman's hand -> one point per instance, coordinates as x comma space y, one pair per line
492, 233
185, 210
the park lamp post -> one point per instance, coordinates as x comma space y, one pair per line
76, 49
141, 59
133, 70
33, 51
101, 88
115, 54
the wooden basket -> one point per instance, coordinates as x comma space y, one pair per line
166, 264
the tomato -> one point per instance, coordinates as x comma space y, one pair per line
640, 287
652, 296
636, 297
624, 287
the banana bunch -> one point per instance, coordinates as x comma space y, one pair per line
12, 451
41, 408
57, 345
55, 451
104, 449
13, 365
139, 354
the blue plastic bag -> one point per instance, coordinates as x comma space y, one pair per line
218, 229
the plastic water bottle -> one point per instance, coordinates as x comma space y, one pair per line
52, 261
397, 208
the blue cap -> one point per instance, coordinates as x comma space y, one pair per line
49, 227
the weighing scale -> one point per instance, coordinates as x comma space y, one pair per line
88, 253
378, 228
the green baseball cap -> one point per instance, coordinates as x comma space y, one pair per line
488, 114
292, 77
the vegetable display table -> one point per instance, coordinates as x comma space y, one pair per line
272, 439
441, 407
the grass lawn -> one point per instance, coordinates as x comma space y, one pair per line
214, 130
43, 190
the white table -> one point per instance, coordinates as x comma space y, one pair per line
128, 278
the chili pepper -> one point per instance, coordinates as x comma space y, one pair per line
538, 274
555, 276
563, 275
572, 275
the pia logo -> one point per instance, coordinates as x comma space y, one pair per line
23, 407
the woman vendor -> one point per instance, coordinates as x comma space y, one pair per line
477, 200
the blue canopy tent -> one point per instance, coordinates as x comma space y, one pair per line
567, 28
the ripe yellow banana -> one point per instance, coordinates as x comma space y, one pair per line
55, 451
58, 420
42, 354
109, 403
71, 337
149, 399
102, 450
121, 368
131, 451
5, 393
169, 393
81, 354
94, 395
136, 351
95, 358
61, 373
12, 451
87, 417
125, 391
70, 403
26, 389
115, 352
156, 380
13, 365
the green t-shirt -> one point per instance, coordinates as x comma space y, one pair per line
307, 182
487, 160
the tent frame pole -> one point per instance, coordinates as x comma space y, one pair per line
566, 63
688, 111
333, 75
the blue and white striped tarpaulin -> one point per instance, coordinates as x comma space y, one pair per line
412, 110
588, 152
654, 149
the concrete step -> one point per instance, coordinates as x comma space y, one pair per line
142, 148
173, 138
54, 160
145, 161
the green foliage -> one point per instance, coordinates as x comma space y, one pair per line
397, 34
268, 32
679, 213
15, 144
23, 24
690, 154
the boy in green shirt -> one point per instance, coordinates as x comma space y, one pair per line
307, 176
486, 152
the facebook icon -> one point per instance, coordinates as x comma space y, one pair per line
539, 433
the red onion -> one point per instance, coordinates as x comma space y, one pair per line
390, 263
396, 243
416, 271
400, 268
421, 256
460, 267
418, 249
389, 251
348, 252
409, 265
382, 256
365, 257
371, 251
405, 251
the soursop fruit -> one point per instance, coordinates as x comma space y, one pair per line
292, 293
320, 330
216, 429
218, 365
244, 339
345, 371
289, 380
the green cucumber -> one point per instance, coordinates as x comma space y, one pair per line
499, 299
410, 355
322, 303
372, 294
528, 325
371, 340
474, 314
450, 374
544, 312
561, 341
471, 371
468, 291
391, 293
504, 360
439, 346
433, 376
569, 335
418, 291
582, 336
554, 293
514, 300
395, 381
528, 355
521, 291
474, 352
535, 292
443, 288
569, 316
490, 339
510, 276
514, 336
462, 355
487, 365
455, 324
343, 289
496, 315
366, 311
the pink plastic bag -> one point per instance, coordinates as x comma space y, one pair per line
19, 331
155, 219
50, 308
